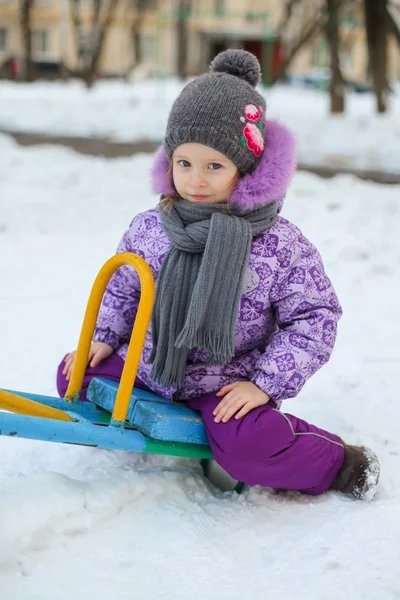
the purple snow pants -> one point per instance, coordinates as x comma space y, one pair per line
266, 447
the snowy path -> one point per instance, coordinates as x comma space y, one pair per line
85, 523
112, 109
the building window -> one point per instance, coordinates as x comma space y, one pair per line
40, 41
346, 57
143, 5
320, 53
85, 39
3, 39
350, 15
219, 7
148, 48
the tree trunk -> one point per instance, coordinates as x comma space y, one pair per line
136, 31
137, 47
182, 38
74, 6
336, 86
28, 73
376, 21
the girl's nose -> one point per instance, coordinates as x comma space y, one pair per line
196, 180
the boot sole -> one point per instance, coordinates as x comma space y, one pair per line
368, 490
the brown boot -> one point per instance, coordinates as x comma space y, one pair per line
359, 473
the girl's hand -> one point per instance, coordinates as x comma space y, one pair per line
240, 396
98, 352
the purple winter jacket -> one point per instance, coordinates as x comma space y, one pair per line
287, 319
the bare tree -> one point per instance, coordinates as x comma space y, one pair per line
336, 85
184, 7
377, 25
300, 24
90, 40
26, 7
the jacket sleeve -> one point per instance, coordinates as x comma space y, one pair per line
121, 298
307, 310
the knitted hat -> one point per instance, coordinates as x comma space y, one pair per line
222, 109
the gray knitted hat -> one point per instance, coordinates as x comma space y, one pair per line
222, 109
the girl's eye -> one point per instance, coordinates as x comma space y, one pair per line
184, 163
215, 166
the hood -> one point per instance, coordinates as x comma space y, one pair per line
266, 184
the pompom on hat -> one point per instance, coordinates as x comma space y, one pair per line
222, 110
239, 63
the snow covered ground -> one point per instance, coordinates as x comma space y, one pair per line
91, 524
126, 112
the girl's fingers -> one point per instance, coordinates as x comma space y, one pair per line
233, 410
227, 388
98, 356
96, 359
218, 407
70, 359
68, 375
246, 409
228, 398
101, 352
67, 361
229, 410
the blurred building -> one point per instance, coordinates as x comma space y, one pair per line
212, 26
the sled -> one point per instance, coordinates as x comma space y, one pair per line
117, 416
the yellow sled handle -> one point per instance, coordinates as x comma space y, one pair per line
138, 334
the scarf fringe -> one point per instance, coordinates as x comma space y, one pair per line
167, 380
220, 348
221, 352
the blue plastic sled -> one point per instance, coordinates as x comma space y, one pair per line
117, 416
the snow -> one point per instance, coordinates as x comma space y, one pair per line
85, 523
126, 112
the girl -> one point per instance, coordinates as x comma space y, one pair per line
244, 313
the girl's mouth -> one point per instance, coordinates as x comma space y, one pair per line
198, 196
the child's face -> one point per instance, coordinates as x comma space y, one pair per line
202, 174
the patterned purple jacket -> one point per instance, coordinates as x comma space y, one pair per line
286, 325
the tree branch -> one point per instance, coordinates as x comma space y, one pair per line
314, 26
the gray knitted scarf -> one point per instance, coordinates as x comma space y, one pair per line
200, 283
